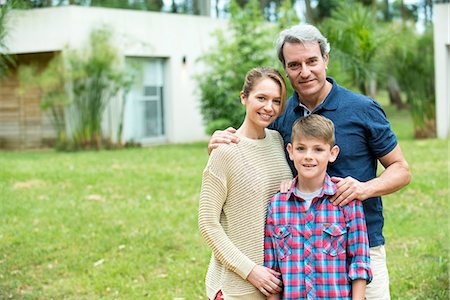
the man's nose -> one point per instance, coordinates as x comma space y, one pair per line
305, 72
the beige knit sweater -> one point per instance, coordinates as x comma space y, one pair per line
237, 185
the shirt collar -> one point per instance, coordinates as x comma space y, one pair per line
328, 187
329, 103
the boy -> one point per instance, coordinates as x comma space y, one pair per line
321, 250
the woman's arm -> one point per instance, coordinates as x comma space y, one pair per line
212, 198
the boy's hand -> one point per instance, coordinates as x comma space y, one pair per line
285, 185
348, 189
265, 280
220, 137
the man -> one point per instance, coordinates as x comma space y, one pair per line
362, 132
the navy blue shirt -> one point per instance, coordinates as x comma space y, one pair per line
363, 134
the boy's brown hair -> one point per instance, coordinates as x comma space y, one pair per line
315, 126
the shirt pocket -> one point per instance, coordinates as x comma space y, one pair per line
334, 237
283, 240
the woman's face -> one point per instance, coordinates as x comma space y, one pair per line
263, 104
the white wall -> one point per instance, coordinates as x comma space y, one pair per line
146, 34
442, 67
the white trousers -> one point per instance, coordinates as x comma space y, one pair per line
378, 289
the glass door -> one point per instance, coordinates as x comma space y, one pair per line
144, 109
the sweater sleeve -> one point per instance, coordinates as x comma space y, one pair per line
212, 198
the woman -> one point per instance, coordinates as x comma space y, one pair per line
237, 185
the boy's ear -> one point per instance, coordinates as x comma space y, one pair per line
334, 153
290, 149
243, 98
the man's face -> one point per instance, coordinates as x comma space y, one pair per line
306, 69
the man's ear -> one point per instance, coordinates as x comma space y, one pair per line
243, 98
334, 153
290, 150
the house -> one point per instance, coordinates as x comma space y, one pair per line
162, 107
442, 67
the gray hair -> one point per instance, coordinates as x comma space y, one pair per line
300, 34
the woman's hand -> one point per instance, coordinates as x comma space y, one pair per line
265, 280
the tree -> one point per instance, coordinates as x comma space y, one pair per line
246, 43
412, 62
5, 60
353, 32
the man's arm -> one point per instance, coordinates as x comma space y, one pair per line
395, 176
220, 137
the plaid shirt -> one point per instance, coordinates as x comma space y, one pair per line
318, 251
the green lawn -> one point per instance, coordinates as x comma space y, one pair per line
123, 224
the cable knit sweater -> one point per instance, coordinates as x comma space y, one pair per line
237, 185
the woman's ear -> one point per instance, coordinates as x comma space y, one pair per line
243, 98
334, 153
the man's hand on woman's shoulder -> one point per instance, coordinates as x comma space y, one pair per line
220, 137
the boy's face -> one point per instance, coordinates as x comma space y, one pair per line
311, 157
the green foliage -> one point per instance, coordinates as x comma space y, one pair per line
287, 15
96, 76
355, 39
76, 88
247, 43
6, 61
54, 99
411, 60
74, 226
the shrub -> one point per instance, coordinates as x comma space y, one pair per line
247, 43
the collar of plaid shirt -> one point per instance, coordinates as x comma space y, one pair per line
328, 188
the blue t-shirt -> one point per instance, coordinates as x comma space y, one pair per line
363, 134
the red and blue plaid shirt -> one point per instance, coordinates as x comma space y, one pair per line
320, 250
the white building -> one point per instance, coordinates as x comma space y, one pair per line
442, 67
164, 107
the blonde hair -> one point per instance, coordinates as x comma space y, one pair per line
255, 75
315, 126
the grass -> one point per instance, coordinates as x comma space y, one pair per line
123, 224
